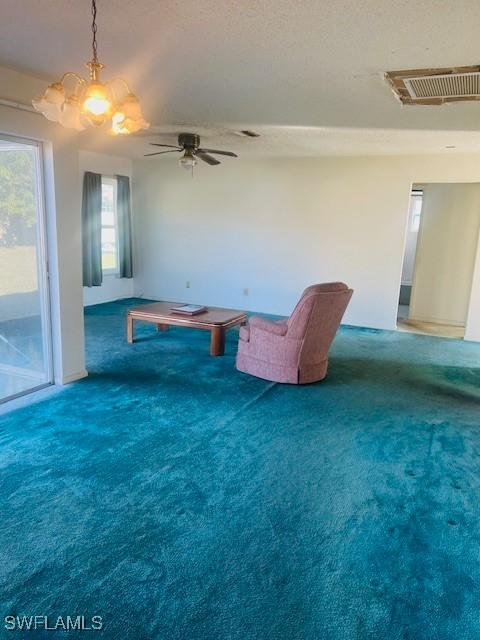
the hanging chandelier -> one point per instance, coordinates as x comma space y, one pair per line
92, 101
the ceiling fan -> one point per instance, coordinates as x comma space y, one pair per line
189, 145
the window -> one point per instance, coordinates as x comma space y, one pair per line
416, 201
109, 226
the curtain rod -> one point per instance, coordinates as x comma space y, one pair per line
18, 105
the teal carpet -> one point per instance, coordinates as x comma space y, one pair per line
179, 499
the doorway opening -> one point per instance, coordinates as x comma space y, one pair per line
25, 329
439, 259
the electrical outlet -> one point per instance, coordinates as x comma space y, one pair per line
187, 284
245, 292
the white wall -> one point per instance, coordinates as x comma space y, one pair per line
446, 252
63, 218
113, 287
275, 226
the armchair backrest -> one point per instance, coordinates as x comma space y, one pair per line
316, 317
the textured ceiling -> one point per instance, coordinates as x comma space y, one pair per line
283, 141
265, 62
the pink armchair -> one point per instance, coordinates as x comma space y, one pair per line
295, 350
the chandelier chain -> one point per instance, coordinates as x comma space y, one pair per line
94, 30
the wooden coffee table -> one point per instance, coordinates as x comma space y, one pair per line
214, 319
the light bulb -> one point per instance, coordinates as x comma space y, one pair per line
118, 124
96, 105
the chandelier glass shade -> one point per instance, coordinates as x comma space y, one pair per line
92, 102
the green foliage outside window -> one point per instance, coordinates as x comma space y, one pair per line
17, 197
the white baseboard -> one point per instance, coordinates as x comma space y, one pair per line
72, 377
433, 320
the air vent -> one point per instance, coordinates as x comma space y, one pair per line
248, 133
435, 86
458, 85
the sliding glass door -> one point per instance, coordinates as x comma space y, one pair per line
25, 339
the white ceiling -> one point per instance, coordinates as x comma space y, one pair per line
277, 141
271, 65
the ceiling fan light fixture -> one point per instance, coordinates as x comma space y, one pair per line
188, 160
96, 101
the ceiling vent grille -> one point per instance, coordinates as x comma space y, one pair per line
247, 133
435, 86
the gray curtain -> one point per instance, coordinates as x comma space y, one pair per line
92, 229
124, 217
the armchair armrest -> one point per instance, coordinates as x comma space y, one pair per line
277, 328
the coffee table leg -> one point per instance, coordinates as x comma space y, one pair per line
217, 341
162, 327
129, 329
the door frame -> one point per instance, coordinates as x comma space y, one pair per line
42, 261
470, 333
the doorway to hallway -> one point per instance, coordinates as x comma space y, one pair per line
440, 259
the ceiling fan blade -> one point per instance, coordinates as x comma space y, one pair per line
172, 146
222, 153
205, 157
159, 153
